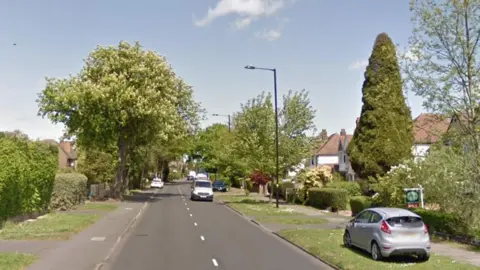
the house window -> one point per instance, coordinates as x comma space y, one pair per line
345, 158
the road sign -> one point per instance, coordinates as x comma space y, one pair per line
414, 197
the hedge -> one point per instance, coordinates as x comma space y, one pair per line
27, 174
323, 198
441, 222
359, 203
70, 189
353, 188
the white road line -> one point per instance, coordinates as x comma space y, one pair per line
214, 262
191, 215
195, 224
188, 209
203, 238
185, 203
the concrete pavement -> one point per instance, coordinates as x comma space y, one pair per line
175, 233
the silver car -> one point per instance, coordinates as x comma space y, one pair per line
386, 232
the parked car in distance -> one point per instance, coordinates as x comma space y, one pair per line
386, 232
156, 183
191, 175
202, 190
219, 186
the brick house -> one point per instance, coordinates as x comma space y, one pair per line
67, 156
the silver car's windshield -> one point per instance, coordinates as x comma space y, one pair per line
203, 184
405, 221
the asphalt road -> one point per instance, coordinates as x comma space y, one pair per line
175, 233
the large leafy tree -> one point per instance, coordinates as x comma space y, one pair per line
296, 119
124, 95
443, 65
214, 146
383, 137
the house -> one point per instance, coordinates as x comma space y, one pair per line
428, 129
67, 156
333, 153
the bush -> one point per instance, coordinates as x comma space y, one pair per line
359, 203
27, 173
70, 189
323, 198
174, 175
283, 188
441, 222
353, 188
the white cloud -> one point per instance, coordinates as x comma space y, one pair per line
269, 35
359, 64
248, 10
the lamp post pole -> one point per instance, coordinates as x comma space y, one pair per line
276, 127
229, 120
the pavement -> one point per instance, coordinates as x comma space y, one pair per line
91, 246
175, 233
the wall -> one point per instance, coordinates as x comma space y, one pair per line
420, 151
333, 160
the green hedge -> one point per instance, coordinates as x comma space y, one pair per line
359, 203
353, 188
70, 189
323, 198
27, 173
441, 222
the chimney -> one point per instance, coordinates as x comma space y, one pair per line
343, 132
358, 120
323, 135
66, 146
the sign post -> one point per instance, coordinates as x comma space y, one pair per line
414, 197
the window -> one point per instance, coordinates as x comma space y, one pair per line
364, 217
345, 158
203, 184
405, 221
375, 218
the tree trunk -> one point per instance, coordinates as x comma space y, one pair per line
165, 170
122, 158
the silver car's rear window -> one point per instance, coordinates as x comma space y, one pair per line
406, 221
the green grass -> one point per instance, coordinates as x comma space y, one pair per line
101, 206
328, 245
55, 226
231, 198
16, 261
290, 220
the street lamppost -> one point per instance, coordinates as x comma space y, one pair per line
276, 124
229, 120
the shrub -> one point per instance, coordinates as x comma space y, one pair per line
441, 222
27, 173
283, 188
70, 189
359, 203
323, 198
353, 188
174, 175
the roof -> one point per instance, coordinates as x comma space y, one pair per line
393, 212
331, 147
429, 128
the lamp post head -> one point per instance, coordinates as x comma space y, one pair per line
249, 67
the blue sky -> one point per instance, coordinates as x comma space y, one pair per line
316, 45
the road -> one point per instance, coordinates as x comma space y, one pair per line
176, 234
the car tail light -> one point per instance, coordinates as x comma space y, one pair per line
425, 230
384, 227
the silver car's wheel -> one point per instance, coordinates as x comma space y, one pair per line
347, 240
375, 252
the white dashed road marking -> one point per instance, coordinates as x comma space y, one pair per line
214, 262
185, 203
188, 209
98, 239
203, 238
195, 224
191, 215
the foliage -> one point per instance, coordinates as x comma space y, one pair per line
98, 166
440, 222
248, 185
295, 119
383, 137
70, 189
323, 198
259, 178
27, 173
450, 180
124, 96
317, 177
214, 144
359, 203
442, 63
353, 188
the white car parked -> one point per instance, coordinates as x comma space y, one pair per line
156, 183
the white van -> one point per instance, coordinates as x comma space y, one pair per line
202, 190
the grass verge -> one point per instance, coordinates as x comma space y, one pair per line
16, 261
55, 226
100, 206
454, 244
328, 245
